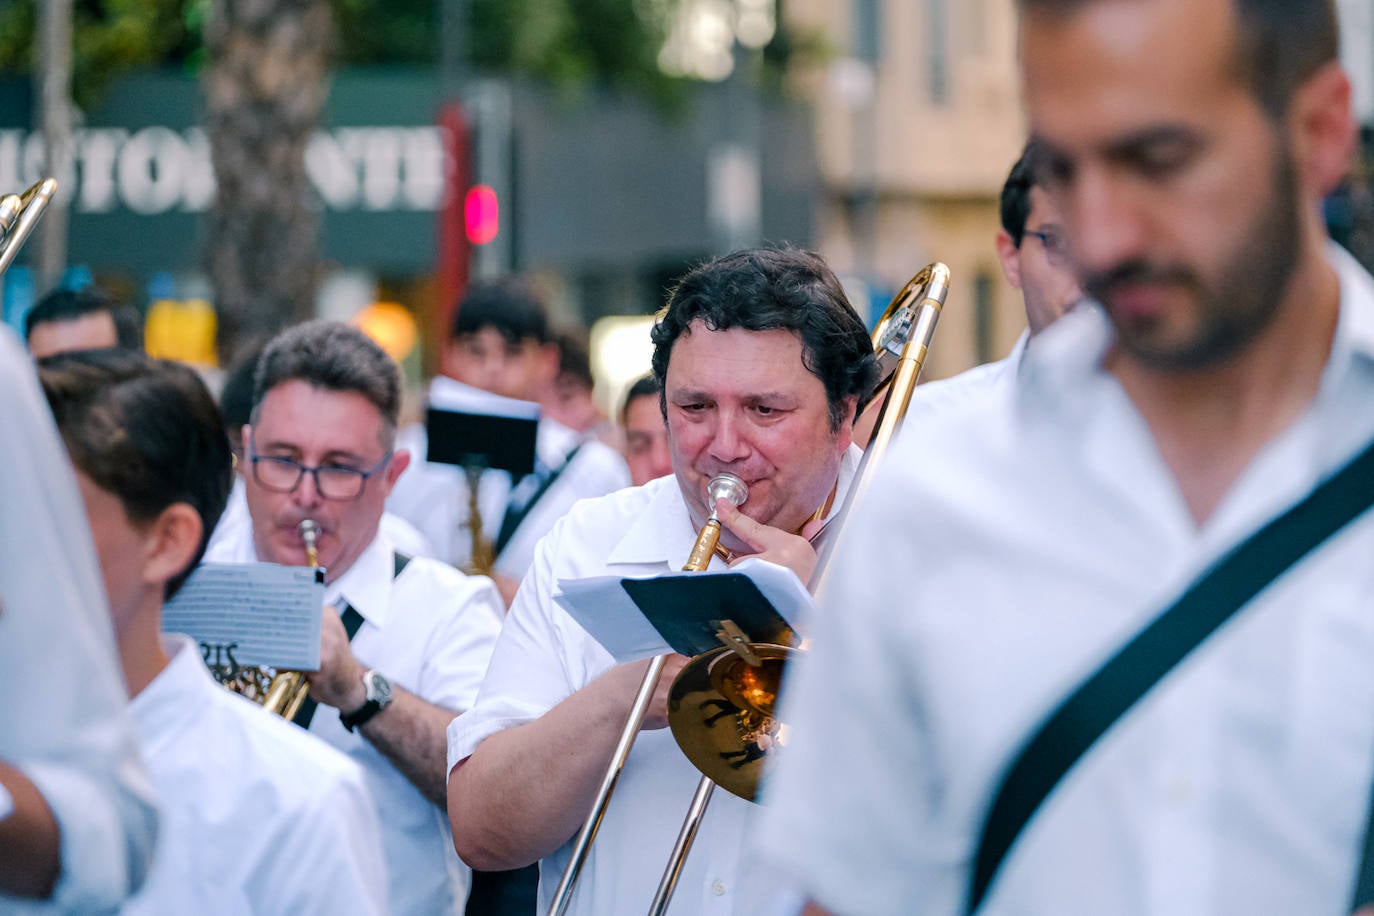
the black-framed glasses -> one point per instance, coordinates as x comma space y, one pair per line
332, 481
1056, 247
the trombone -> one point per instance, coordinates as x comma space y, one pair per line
19, 213
745, 677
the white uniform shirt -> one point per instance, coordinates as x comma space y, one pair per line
63, 708
434, 497
980, 381
543, 656
258, 817
430, 631
1001, 556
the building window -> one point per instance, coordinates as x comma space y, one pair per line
868, 30
937, 51
984, 316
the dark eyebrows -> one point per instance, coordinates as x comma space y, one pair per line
1152, 139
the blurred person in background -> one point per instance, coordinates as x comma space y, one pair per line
645, 433
500, 344
77, 815
84, 319
154, 468
568, 398
405, 640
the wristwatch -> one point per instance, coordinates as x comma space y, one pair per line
378, 693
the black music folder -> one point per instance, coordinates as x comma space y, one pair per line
481, 440
687, 610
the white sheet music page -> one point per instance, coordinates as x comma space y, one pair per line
603, 608
251, 614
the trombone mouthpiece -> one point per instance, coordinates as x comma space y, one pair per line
310, 530
727, 487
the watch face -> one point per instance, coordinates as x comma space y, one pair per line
378, 688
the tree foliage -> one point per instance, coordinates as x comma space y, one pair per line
566, 43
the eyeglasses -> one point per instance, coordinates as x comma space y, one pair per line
332, 481
1056, 247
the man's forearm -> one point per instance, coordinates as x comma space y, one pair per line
412, 734
30, 843
527, 790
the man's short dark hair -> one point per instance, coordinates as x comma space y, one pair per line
1281, 43
574, 357
71, 304
1016, 193
509, 306
645, 386
765, 289
146, 431
335, 357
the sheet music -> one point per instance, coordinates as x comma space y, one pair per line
604, 609
251, 614
448, 394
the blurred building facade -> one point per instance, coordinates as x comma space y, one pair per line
919, 121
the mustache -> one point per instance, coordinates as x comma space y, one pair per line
1100, 285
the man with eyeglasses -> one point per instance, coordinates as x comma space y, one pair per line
1033, 251
321, 446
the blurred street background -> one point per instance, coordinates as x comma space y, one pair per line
232, 166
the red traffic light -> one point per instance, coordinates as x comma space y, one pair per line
481, 214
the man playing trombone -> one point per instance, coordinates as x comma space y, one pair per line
762, 363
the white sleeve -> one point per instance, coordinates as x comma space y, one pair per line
462, 642
528, 675
63, 705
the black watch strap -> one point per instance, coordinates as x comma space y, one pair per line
360, 716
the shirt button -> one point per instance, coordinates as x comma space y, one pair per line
718, 889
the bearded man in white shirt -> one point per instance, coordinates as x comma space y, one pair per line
153, 466
1228, 372
762, 363
322, 447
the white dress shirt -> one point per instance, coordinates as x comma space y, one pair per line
980, 381
434, 497
1031, 537
258, 817
543, 656
430, 631
64, 717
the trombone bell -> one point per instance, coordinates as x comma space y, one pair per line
720, 710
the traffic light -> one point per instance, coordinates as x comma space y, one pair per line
481, 214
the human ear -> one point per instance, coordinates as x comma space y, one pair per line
1322, 129
170, 543
1010, 256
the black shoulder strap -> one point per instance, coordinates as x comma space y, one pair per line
1108, 694
352, 622
514, 516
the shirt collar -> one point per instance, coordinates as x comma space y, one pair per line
366, 586
173, 698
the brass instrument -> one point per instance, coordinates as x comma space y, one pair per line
19, 213
721, 705
289, 689
723, 486
482, 558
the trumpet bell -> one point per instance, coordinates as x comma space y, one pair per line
720, 709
